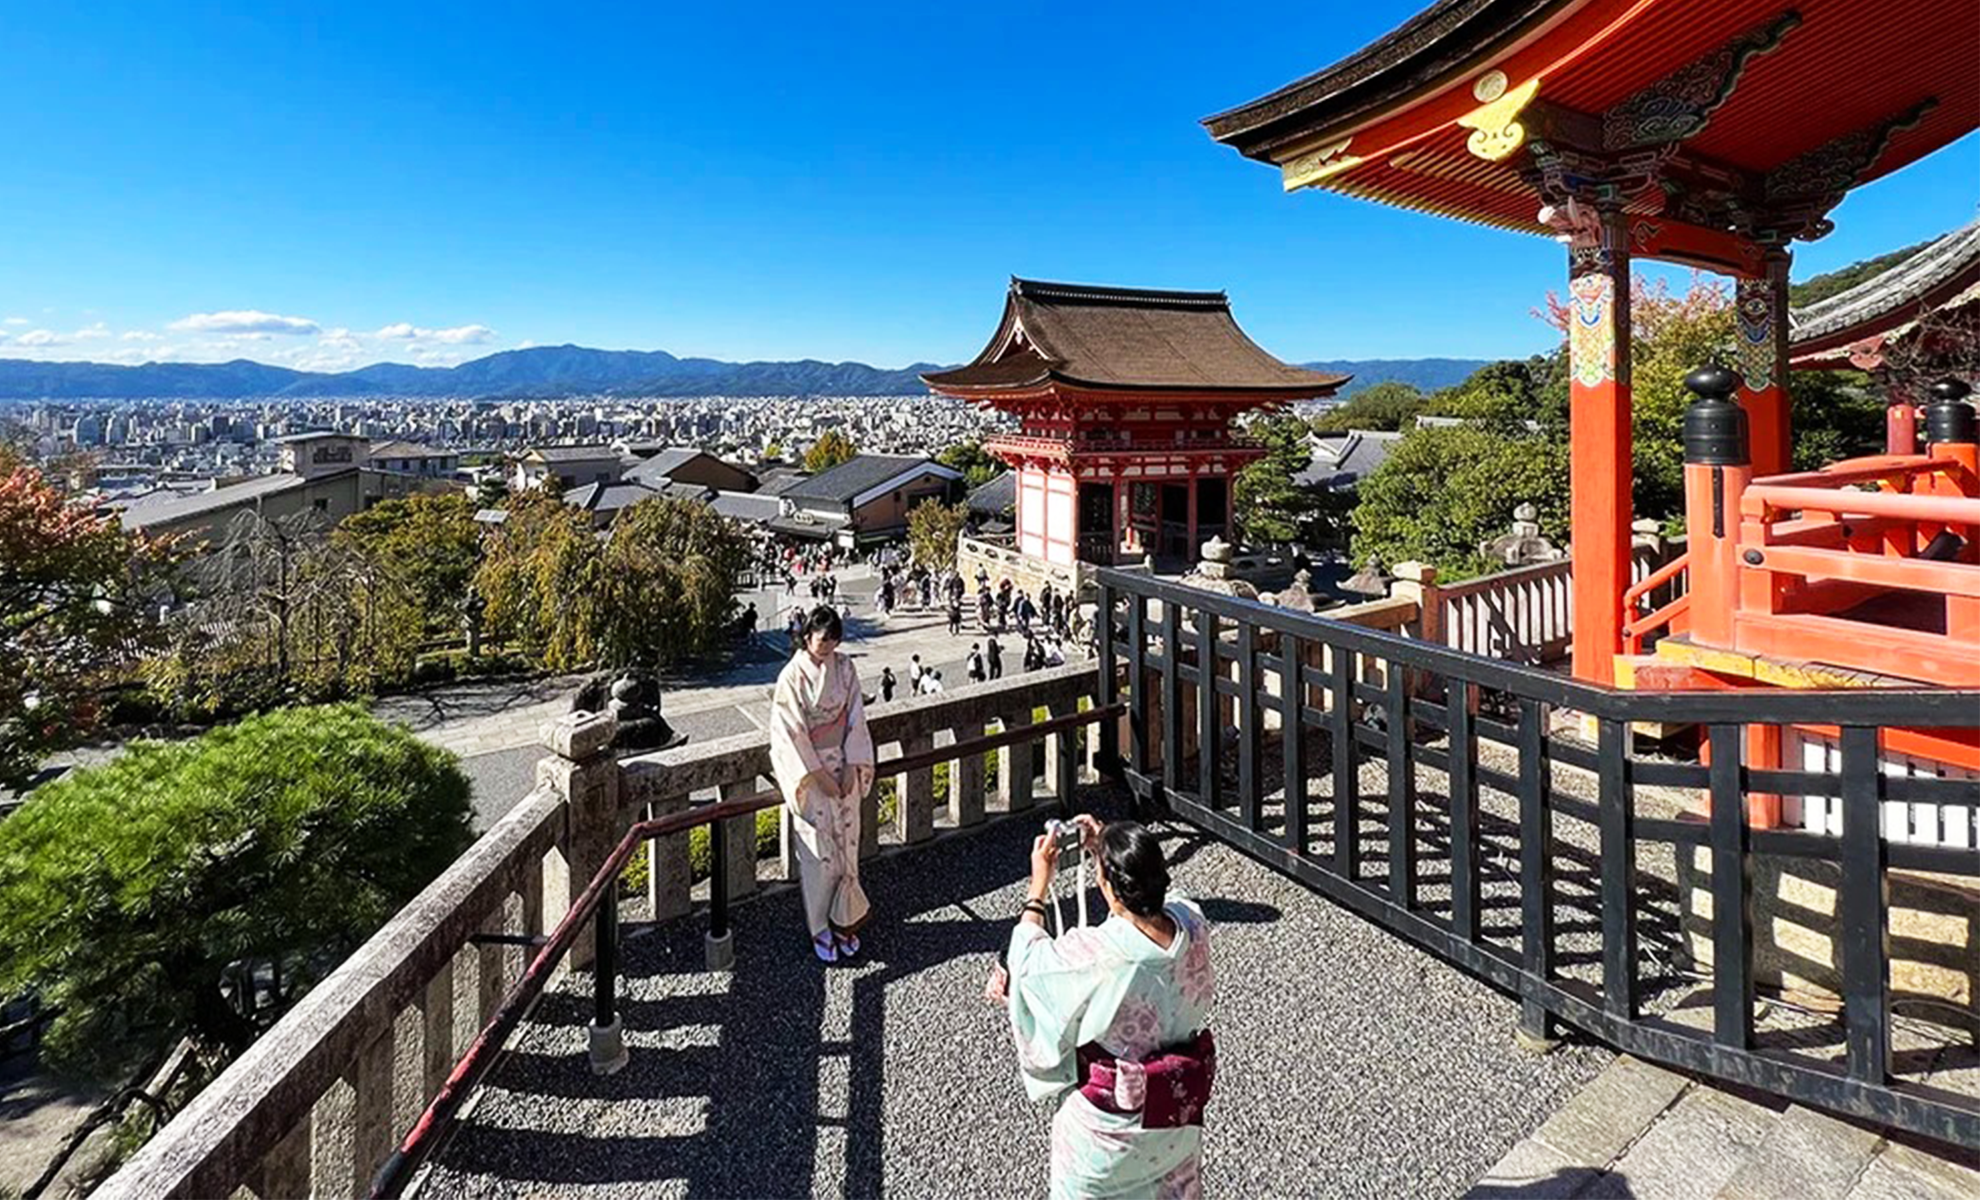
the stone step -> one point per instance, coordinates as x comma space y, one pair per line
1642, 1132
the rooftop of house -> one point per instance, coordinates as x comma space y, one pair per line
564, 454
1344, 459
168, 511
860, 474
402, 449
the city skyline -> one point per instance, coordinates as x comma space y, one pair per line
431, 187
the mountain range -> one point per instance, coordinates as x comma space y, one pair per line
543, 372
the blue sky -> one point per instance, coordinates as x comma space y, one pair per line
337, 184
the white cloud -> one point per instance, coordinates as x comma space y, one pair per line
42, 337
16, 321
95, 332
245, 321
459, 335
141, 335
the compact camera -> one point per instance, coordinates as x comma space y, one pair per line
1064, 834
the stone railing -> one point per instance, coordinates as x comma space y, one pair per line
1027, 571
318, 1104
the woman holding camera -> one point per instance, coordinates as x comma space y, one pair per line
1113, 1022
822, 753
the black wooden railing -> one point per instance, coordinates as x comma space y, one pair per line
1196, 665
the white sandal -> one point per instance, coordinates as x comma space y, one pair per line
825, 948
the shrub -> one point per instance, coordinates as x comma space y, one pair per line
128, 891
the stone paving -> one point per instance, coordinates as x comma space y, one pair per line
1644, 1132
1351, 1063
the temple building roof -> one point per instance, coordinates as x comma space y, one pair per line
1110, 338
1945, 274
1716, 127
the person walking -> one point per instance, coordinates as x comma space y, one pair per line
977, 671
994, 656
887, 683
821, 752
915, 672
955, 617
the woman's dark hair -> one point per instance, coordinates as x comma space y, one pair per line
825, 619
1135, 866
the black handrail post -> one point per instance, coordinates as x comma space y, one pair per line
1107, 747
1863, 903
720, 945
1536, 1031
608, 1043
1732, 894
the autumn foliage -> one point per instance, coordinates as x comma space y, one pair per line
77, 597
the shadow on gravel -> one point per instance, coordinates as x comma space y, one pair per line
722, 1090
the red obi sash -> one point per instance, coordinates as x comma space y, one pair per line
1169, 1090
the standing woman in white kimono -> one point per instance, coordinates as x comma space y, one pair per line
822, 754
1113, 1023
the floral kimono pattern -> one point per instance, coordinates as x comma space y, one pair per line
1110, 987
818, 734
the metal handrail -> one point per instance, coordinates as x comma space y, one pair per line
600, 898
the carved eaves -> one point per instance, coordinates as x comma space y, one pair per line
1680, 104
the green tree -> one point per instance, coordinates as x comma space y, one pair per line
933, 528
669, 574
1836, 415
1270, 505
77, 592
1673, 335
134, 895
544, 580
1441, 492
1388, 405
978, 465
831, 449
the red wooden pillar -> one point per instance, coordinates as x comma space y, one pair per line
1900, 420
1761, 313
1598, 411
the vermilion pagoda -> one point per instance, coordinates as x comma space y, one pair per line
1125, 399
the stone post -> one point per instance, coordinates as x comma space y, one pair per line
581, 769
966, 776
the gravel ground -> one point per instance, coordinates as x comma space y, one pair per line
1353, 1065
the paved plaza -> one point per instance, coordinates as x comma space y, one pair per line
494, 725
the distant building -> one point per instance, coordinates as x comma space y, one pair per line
408, 458
684, 464
993, 504
864, 499
571, 466
330, 495
311, 455
1342, 460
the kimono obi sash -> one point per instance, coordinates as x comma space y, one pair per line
831, 733
1169, 1090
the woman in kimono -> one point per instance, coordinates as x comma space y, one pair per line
822, 754
1112, 1022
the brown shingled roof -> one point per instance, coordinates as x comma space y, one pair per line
1106, 337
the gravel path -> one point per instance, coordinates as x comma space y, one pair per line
1352, 1065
